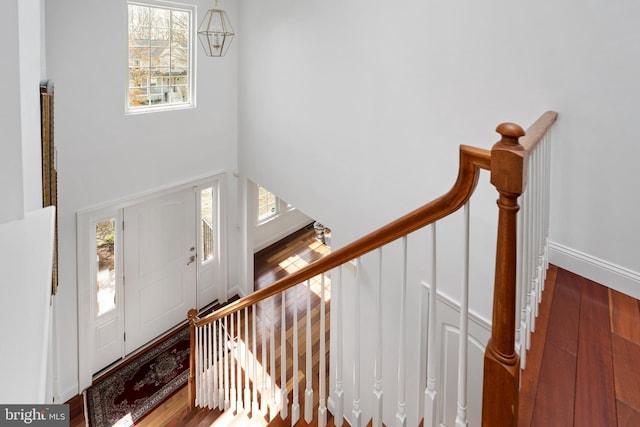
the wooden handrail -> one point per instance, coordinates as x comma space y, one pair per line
471, 161
507, 162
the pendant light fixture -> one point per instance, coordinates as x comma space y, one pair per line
215, 32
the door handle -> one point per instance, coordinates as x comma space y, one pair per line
192, 258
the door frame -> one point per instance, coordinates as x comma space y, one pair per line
86, 269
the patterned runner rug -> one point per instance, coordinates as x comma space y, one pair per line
133, 390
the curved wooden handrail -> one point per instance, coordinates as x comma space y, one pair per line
471, 161
508, 166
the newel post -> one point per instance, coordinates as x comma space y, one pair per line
501, 363
192, 316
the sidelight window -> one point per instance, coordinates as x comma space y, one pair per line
106, 268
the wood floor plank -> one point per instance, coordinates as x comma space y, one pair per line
626, 356
565, 312
625, 316
555, 389
627, 417
529, 376
595, 400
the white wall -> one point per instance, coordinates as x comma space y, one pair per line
11, 180
31, 73
20, 161
367, 102
105, 155
353, 112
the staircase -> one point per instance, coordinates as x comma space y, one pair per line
253, 361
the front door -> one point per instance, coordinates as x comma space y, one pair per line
160, 259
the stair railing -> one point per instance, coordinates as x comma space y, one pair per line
215, 346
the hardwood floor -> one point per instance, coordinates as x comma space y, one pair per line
582, 369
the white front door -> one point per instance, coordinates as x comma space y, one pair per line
160, 258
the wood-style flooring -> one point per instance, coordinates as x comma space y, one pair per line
583, 366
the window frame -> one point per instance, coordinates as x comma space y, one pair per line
191, 72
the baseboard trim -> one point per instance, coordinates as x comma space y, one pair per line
600, 271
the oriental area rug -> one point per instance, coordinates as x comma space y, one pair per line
131, 391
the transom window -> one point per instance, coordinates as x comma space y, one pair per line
161, 56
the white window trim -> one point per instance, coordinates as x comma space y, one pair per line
193, 9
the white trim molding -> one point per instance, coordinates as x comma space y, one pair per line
600, 271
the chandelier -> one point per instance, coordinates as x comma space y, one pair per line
215, 32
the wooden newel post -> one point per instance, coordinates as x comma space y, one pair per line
192, 315
501, 363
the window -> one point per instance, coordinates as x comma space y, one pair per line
106, 271
161, 57
269, 205
206, 222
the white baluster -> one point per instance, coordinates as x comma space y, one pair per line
232, 370
430, 394
255, 406
238, 355
526, 263
284, 404
273, 409
209, 374
214, 367
377, 367
356, 411
547, 192
540, 215
221, 377
536, 226
322, 404
521, 289
461, 414
247, 362
199, 390
295, 406
308, 392
336, 290
401, 413
227, 402
263, 395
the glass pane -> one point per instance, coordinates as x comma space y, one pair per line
138, 97
206, 214
179, 59
180, 21
138, 77
160, 18
138, 16
160, 36
106, 277
266, 204
139, 56
138, 36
